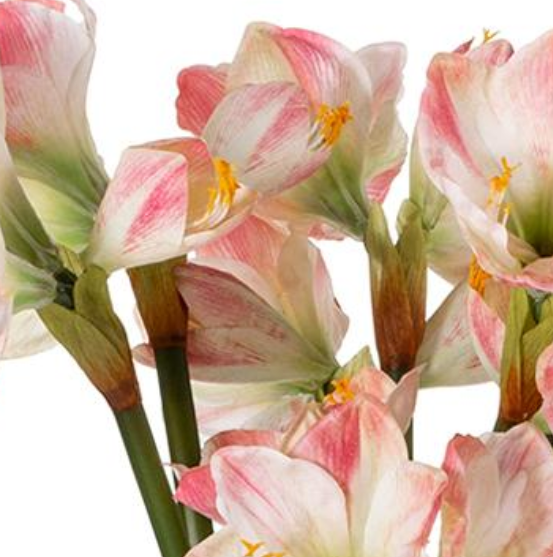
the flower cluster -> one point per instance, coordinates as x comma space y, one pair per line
295, 142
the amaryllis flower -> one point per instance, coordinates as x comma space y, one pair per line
483, 141
262, 137
499, 497
353, 121
265, 326
346, 487
448, 252
45, 60
179, 194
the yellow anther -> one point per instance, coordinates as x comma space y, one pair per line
341, 394
251, 548
498, 187
331, 121
477, 276
489, 36
227, 184
274, 554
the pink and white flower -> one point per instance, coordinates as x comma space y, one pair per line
351, 100
275, 343
492, 163
499, 498
346, 487
448, 252
182, 193
45, 60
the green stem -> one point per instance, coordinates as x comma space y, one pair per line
181, 424
152, 481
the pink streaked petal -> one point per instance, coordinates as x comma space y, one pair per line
242, 438
544, 378
357, 443
328, 71
384, 63
494, 53
144, 354
465, 47
264, 132
537, 275
461, 499
488, 333
142, 217
267, 406
488, 238
378, 187
373, 382
46, 58
305, 281
293, 506
250, 341
522, 448
224, 543
51, 4
362, 424
403, 511
201, 89
498, 501
403, 400
197, 490
447, 351
256, 242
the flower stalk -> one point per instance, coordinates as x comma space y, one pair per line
152, 482
165, 318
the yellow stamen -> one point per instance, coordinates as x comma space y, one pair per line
227, 184
331, 121
341, 394
489, 36
500, 183
477, 276
251, 548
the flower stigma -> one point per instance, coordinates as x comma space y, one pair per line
329, 123
489, 36
341, 394
253, 548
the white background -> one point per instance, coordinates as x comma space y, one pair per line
65, 484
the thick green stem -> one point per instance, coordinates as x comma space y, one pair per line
152, 481
181, 424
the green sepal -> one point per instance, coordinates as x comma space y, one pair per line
94, 336
362, 360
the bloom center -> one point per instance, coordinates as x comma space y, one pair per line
330, 122
341, 394
227, 184
499, 211
498, 186
252, 550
